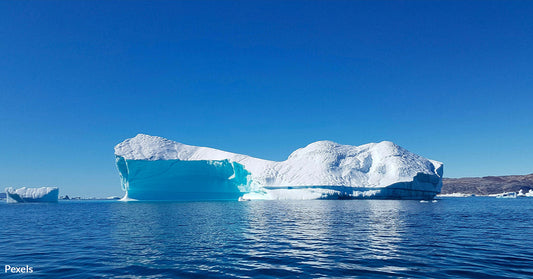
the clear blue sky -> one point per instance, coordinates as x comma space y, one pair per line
451, 81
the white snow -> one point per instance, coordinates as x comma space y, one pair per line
322, 163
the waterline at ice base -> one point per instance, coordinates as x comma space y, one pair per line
155, 168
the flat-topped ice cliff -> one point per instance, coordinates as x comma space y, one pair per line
43, 194
155, 168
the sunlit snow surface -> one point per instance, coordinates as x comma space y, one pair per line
155, 168
43, 194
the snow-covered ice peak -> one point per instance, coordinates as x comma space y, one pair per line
152, 148
145, 147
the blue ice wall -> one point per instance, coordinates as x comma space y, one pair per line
183, 180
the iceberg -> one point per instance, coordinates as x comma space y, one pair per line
508, 195
155, 168
522, 194
43, 194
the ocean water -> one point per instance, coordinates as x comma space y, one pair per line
454, 237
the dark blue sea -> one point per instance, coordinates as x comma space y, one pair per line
476, 237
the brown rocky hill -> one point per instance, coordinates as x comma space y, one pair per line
487, 185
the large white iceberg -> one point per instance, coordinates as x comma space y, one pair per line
155, 168
43, 194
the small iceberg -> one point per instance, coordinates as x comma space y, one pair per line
427, 201
43, 194
528, 194
509, 195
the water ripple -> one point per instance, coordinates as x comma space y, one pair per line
468, 238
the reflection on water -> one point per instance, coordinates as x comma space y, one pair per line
313, 231
297, 234
321, 234
472, 237
385, 228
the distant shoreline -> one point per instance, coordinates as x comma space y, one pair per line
487, 185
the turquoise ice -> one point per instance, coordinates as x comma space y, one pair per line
183, 180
